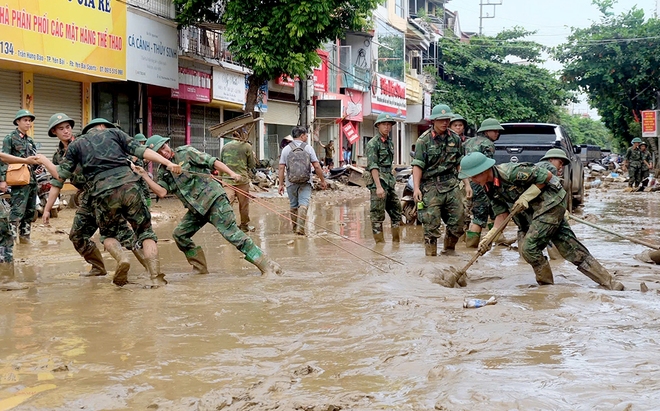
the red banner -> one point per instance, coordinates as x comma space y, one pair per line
649, 123
193, 85
350, 132
320, 75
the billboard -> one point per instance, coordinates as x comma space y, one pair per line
82, 37
649, 123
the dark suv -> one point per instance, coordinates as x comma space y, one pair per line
528, 142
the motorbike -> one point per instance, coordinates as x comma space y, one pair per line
408, 204
341, 174
402, 174
43, 188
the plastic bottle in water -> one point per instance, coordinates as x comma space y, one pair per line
477, 303
596, 183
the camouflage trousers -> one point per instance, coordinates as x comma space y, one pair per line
84, 227
390, 204
439, 207
6, 237
552, 228
113, 208
23, 206
481, 208
221, 216
634, 176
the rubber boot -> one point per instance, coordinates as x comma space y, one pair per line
246, 228
379, 237
139, 254
267, 266
197, 259
123, 265
302, 220
449, 244
294, 218
157, 278
96, 260
431, 246
655, 256
592, 269
7, 281
23, 239
472, 239
544, 274
396, 234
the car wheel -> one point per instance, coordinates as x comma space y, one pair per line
579, 197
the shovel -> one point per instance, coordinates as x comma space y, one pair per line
450, 277
632, 239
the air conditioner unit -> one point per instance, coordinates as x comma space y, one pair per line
329, 109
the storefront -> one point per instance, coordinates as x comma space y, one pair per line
10, 99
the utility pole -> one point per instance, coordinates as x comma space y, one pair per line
483, 3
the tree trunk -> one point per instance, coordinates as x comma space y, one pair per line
254, 82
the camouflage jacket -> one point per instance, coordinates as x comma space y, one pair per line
78, 179
19, 145
480, 144
439, 157
646, 156
548, 166
196, 192
237, 155
380, 155
512, 179
633, 157
103, 155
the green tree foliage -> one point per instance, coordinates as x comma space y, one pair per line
616, 63
584, 130
274, 37
499, 77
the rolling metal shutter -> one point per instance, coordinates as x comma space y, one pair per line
201, 118
10, 100
280, 112
54, 95
168, 119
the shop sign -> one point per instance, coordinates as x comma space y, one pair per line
228, 86
427, 106
151, 52
320, 75
194, 85
354, 105
388, 95
86, 37
350, 132
650, 123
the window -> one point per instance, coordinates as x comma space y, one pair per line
390, 51
399, 8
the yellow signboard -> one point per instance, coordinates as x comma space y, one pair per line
82, 36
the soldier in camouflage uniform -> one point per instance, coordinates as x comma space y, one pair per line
633, 163
238, 156
103, 152
380, 155
438, 153
146, 193
485, 144
84, 221
459, 125
206, 202
6, 236
646, 163
23, 198
539, 196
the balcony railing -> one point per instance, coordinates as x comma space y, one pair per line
162, 8
355, 77
204, 43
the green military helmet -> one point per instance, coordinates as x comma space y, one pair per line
473, 164
490, 124
643, 143
140, 137
96, 122
441, 112
458, 117
636, 140
57, 119
23, 113
155, 142
556, 153
384, 118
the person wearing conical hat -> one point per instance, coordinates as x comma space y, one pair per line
23, 197
438, 152
538, 196
633, 163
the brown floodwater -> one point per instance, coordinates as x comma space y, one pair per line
336, 332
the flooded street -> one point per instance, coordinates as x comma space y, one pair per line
335, 332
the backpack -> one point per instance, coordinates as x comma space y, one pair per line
298, 164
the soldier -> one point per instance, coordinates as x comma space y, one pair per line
633, 163
206, 202
538, 195
23, 198
380, 155
103, 152
146, 193
646, 164
554, 161
84, 221
238, 156
459, 125
481, 210
435, 173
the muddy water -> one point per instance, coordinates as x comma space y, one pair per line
335, 332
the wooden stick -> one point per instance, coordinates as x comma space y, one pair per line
632, 239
